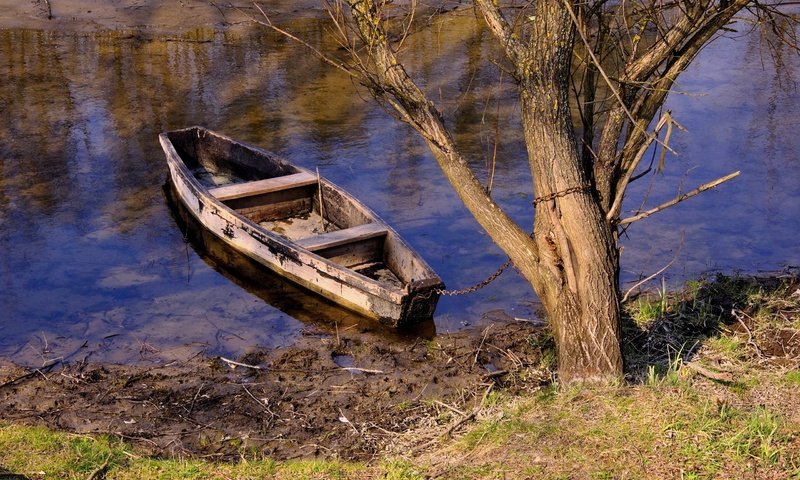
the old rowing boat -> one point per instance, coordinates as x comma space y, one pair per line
301, 226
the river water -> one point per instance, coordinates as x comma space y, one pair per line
94, 261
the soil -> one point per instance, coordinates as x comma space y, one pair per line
335, 396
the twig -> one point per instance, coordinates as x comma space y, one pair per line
362, 370
32, 373
238, 364
99, 471
259, 402
471, 415
750, 340
483, 339
449, 407
346, 420
464, 420
495, 374
49, 10
191, 407
268, 23
702, 188
638, 284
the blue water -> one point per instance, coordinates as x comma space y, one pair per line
93, 262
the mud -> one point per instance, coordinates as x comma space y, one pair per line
334, 396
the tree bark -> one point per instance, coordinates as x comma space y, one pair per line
576, 243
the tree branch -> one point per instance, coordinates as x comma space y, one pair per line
702, 188
268, 23
389, 81
622, 185
502, 30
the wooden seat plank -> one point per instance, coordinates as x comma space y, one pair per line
259, 187
342, 237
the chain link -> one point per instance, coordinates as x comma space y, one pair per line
562, 193
477, 286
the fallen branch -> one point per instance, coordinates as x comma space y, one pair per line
238, 364
725, 377
702, 188
99, 471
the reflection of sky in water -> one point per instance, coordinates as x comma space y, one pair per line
740, 115
91, 253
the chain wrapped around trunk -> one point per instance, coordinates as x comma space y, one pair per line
504, 267
562, 193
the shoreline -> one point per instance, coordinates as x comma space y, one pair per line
149, 16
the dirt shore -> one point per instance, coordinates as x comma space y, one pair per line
149, 16
328, 395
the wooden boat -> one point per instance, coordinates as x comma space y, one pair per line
301, 226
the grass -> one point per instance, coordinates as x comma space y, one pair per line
38, 453
662, 431
707, 397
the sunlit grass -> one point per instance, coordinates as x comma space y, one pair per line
661, 431
36, 452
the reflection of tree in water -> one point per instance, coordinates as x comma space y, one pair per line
37, 114
773, 125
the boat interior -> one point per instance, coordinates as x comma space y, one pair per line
296, 205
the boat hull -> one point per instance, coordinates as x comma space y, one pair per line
415, 301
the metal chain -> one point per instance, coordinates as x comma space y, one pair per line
503, 267
477, 286
562, 193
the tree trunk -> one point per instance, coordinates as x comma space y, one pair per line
572, 260
576, 243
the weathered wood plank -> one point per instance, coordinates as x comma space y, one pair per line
341, 237
258, 187
276, 210
360, 252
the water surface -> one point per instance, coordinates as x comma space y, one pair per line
92, 255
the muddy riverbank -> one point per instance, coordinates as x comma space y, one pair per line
148, 15
334, 396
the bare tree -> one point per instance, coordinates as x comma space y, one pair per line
616, 61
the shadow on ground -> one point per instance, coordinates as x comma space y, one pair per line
758, 313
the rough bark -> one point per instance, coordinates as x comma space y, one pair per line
582, 306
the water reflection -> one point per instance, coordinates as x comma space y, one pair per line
91, 255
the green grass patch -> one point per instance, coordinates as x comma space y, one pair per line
792, 377
38, 453
655, 431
